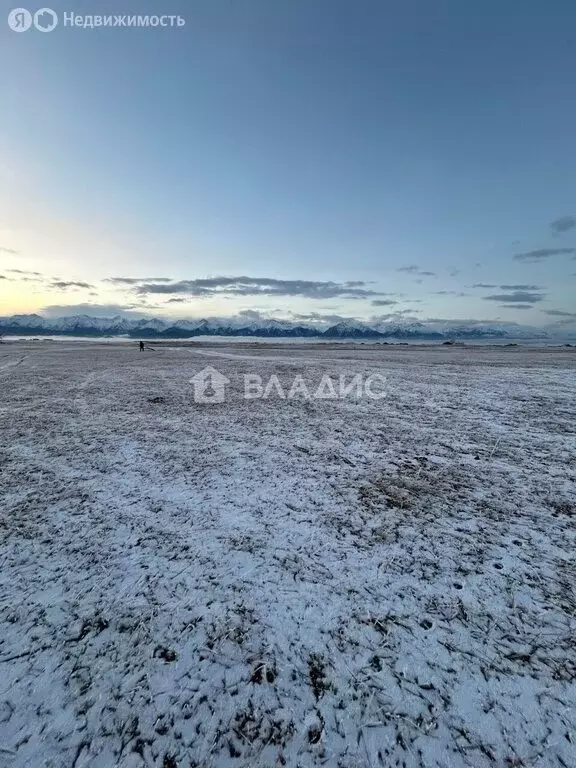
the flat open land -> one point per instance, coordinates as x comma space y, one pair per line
349, 582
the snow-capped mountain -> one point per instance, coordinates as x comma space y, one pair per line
350, 329
23, 321
246, 325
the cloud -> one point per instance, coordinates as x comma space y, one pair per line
252, 314
566, 322
463, 321
383, 302
22, 275
24, 272
517, 306
9, 250
521, 287
259, 286
63, 285
558, 313
563, 224
451, 293
94, 310
543, 253
396, 315
136, 280
317, 317
507, 287
332, 319
414, 269
518, 297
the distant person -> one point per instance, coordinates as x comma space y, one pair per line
141, 346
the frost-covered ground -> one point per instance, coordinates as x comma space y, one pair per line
278, 582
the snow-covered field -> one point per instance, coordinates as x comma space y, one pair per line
280, 582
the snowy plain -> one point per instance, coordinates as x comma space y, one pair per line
287, 582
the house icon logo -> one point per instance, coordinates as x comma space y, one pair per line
209, 385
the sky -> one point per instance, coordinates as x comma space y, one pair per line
413, 158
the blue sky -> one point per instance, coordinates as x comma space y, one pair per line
305, 141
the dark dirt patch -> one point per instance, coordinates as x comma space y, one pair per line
263, 673
166, 654
317, 675
563, 507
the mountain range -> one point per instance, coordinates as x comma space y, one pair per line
156, 328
